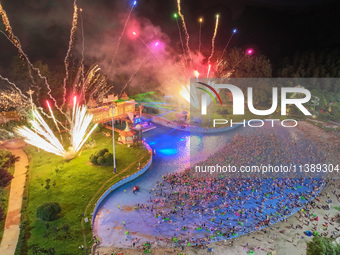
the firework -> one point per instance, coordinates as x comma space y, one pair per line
209, 68
82, 44
200, 36
213, 39
121, 36
226, 47
66, 60
49, 93
151, 51
54, 119
180, 37
43, 137
185, 29
190, 97
8, 28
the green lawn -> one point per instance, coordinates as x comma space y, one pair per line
76, 185
4, 196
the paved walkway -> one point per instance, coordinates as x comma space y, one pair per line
11, 233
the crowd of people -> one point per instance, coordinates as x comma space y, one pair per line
194, 209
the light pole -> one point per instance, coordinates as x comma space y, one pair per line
113, 138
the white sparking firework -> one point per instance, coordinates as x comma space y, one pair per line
80, 124
189, 94
43, 137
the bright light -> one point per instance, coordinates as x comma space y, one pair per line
196, 73
200, 20
134, 33
175, 15
234, 31
43, 137
209, 68
156, 43
250, 51
134, 3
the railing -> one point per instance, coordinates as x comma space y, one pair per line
121, 183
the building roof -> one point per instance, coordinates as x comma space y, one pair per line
124, 96
127, 132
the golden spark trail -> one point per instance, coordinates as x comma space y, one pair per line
119, 39
213, 39
11, 37
182, 44
185, 29
82, 45
200, 36
37, 71
66, 60
8, 28
13, 84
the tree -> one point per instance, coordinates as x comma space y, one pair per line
322, 246
48, 211
237, 64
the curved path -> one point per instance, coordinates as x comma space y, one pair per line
11, 233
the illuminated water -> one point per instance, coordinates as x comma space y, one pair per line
172, 155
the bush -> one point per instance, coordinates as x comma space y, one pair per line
102, 158
7, 159
322, 246
5, 177
1, 214
48, 211
102, 152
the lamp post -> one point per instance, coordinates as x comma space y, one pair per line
113, 138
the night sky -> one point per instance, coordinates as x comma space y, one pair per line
276, 28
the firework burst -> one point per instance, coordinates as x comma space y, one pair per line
42, 136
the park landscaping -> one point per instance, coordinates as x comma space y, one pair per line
7, 160
4, 197
75, 185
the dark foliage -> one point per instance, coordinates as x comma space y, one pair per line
48, 211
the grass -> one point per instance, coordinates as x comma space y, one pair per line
76, 185
4, 197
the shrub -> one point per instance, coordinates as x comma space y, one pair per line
102, 152
48, 211
7, 159
5, 177
322, 246
1, 214
102, 158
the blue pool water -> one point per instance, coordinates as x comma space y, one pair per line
172, 149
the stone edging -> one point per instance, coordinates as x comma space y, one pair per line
121, 183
